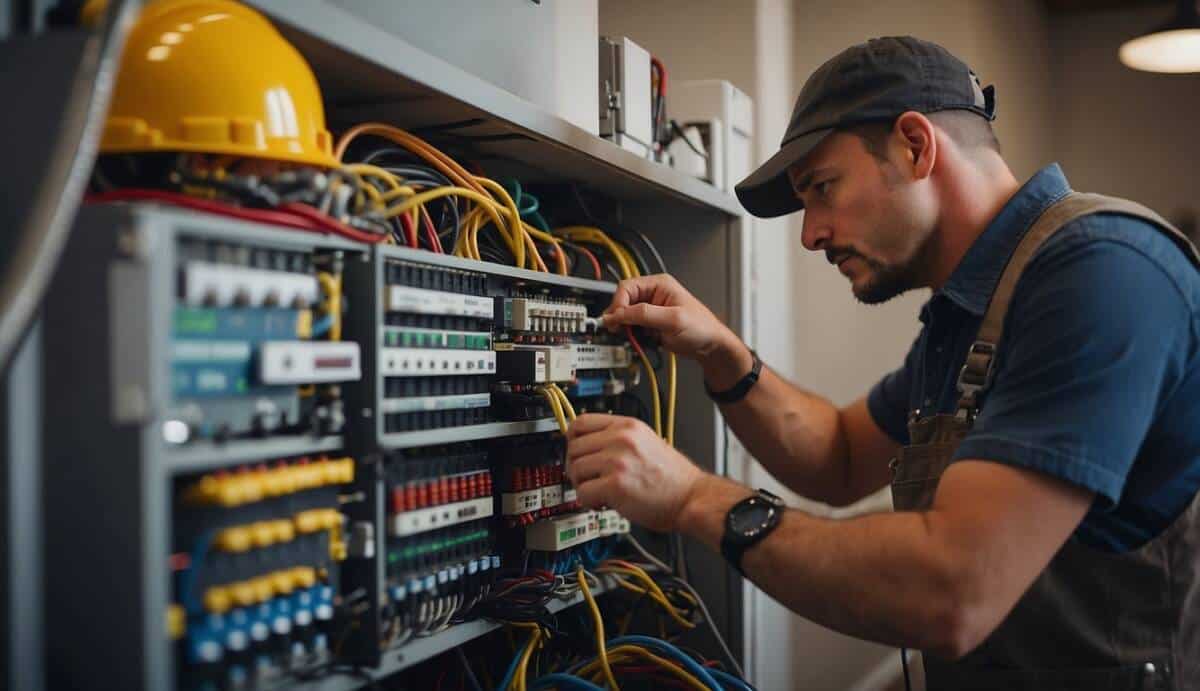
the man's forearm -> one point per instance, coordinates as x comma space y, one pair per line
796, 435
883, 577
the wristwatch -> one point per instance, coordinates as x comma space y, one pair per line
739, 390
748, 522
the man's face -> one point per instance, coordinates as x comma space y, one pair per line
871, 222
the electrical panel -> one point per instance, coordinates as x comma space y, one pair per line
347, 444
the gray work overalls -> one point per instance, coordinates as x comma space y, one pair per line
1092, 620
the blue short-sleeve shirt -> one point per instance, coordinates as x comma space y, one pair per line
1097, 378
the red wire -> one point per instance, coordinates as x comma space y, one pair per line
591, 258
410, 230
662, 75
332, 224
258, 215
637, 347
290, 215
435, 244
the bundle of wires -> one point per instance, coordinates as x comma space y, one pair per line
486, 203
640, 658
338, 202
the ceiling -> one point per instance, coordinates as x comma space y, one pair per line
1088, 5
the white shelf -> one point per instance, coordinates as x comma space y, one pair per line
366, 73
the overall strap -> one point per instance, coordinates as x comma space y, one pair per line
976, 374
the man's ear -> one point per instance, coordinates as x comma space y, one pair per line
915, 134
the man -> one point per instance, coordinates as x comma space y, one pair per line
1043, 426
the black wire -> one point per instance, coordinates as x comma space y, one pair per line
904, 664
679, 131
470, 673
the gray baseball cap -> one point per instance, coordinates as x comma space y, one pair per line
873, 81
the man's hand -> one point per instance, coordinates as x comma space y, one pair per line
685, 326
620, 462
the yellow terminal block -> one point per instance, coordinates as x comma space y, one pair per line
345, 468
309, 521
287, 478
337, 550
264, 588
304, 576
283, 581
243, 593
284, 530
330, 518
206, 491
263, 533
234, 539
176, 622
218, 600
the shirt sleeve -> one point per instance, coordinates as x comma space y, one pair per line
1096, 339
888, 399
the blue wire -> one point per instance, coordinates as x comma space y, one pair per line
728, 680
686, 660
322, 326
512, 671
563, 680
199, 551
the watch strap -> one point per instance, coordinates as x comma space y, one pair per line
739, 390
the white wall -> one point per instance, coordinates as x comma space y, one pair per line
1120, 131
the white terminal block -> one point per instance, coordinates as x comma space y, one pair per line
308, 362
562, 532
431, 362
552, 495
589, 356
418, 404
225, 285
611, 523
559, 364
434, 517
527, 314
423, 301
517, 503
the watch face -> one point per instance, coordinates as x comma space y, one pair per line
750, 518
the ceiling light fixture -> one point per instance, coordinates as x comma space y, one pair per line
1173, 47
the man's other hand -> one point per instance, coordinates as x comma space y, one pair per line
621, 463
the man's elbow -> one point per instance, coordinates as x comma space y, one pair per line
954, 634
959, 623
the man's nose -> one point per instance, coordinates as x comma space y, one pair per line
816, 233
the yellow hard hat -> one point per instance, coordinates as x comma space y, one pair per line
214, 76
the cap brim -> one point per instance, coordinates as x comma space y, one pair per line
768, 192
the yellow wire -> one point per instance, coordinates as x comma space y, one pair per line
671, 373
629, 652
555, 407
517, 229
653, 392
566, 402
333, 300
655, 593
639, 573
518, 681
598, 621
366, 169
